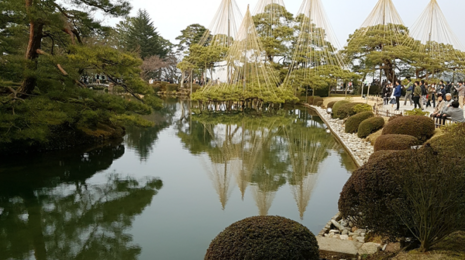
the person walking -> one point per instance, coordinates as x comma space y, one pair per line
409, 93
386, 94
417, 95
424, 93
398, 94
461, 96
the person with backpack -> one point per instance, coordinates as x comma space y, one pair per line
417, 95
409, 93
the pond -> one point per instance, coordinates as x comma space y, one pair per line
167, 191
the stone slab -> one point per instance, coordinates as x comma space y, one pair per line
339, 246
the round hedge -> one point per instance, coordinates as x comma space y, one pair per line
369, 126
331, 104
337, 105
314, 100
421, 127
452, 142
395, 142
347, 110
264, 237
353, 122
319, 103
369, 192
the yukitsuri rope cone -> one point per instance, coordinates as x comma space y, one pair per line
434, 40
253, 83
262, 5
316, 54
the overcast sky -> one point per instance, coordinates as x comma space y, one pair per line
171, 16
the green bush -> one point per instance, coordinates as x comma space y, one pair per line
395, 142
172, 87
337, 105
319, 103
314, 100
331, 104
353, 122
392, 118
362, 108
264, 237
421, 127
369, 126
347, 110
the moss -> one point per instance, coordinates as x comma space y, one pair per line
370, 126
354, 121
395, 142
264, 237
337, 105
420, 127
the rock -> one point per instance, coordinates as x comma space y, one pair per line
343, 223
369, 249
338, 246
392, 248
345, 232
334, 231
344, 237
337, 225
361, 239
351, 224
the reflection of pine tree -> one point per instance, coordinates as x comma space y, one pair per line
84, 223
308, 147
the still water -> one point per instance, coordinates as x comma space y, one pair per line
166, 192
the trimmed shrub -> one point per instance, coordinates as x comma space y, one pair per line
374, 136
369, 126
395, 142
353, 123
264, 237
347, 110
421, 127
337, 105
362, 108
367, 195
394, 117
417, 112
452, 142
391, 197
172, 87
331, 104
314, 100
319, 103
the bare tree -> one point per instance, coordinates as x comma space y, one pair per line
156, 67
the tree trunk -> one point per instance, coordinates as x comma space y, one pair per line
35, 41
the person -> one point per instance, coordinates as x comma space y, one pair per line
386, 94
392, 97
439, 107
417, 95
398, 94
455, 113
424, 93
461, 96
409, 92
430, 97
448, 87
151, 81
98, 79
442, 115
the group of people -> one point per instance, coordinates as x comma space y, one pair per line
422, 95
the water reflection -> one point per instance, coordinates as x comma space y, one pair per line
50, 211
264, 152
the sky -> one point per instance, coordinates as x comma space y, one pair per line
172, 16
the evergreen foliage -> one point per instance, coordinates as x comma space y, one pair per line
369, 126
353, 122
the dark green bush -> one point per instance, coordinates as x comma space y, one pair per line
314, 100
363, 108
369, 126
395, 142
319, 103
331, 104
172, 87
347, 110
264, 237
353, 122
369, 192
421, 127
337, 105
